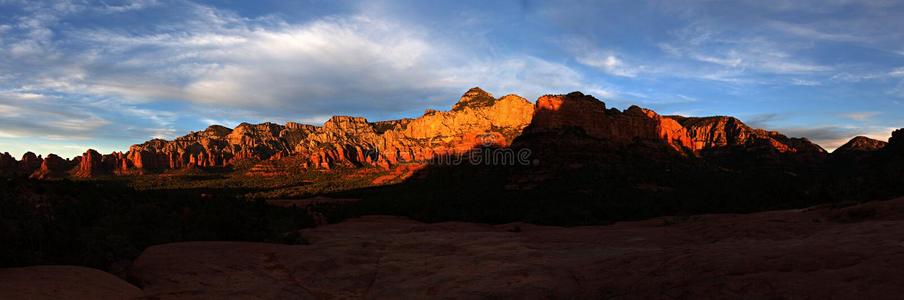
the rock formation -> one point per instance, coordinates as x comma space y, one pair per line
29, 163
860, 144
896, 142
52, 167
343, 141
590, 116
478, 119
90, 165
684, 134
725, 132
8, 164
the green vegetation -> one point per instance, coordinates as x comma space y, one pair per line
236, 184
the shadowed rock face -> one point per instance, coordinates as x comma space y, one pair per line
474, 98
726, 132
709, 135
63, 282
90, 165
821, 252
53, 167
29, 163
8, 164
845, 253
896, 142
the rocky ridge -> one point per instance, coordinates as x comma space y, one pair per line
861, 144
477, 119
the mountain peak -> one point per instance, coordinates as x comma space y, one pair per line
474, 97
861, 143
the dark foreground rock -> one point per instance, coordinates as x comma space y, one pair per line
818, 253
63, 282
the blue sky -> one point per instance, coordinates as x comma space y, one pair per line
108, 74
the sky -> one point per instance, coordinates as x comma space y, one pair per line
109, 74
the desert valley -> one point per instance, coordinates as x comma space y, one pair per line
406, 149
645, 200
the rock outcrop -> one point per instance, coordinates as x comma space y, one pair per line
896, 142
8, 164
816, 253
29, 163
860, 144
53, 167
90, 165
63, 282
478, 119
684, 134
590, 116
343, 141
726, 132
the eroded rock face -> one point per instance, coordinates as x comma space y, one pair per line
691, 135
723, 132
90, 165
477, 120
343, 141
8, 164
860, 144
590, 116
29, 163
53, 167
350, 142
474, 98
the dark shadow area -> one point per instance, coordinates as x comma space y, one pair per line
575, 179
106, 224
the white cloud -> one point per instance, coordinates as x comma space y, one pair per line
608, 63
861, 116
746, 55
130, 5
707, 42
815, 34
804, 82
897, 72
331, 65
216, 67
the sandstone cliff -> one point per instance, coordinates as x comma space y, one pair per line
590, 116
53, 167
477, 119
721, 132
684, 134
343, 141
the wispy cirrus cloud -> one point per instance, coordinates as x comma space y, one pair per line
259, 69
163, 67
861, 116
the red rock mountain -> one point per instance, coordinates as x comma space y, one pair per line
478, 119
685, 134
342, 141
53, 167
861, 144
